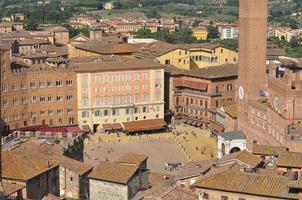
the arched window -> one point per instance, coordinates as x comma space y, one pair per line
229, 87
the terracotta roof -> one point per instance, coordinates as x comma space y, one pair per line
195, 168
31, 158
178, 193
249, 183
24, 162
144, 125
116, 64
215, 72
275, 52
231, 110
290, 159
107, 48
32, 42
114, 126
267, 149
55, 29
242, 157
114, 172
132, 158
191, 84
8, 189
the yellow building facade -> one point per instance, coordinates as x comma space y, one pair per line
200, 33
198, 56
177, 57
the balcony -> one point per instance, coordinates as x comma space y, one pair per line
197, 92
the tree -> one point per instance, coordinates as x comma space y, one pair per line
31, 25
212, 32
196, 23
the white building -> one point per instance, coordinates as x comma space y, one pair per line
228, 31
231, 142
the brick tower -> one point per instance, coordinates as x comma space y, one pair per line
252, 56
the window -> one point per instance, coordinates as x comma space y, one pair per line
42, 84
121, 77
145, 86
84, 79
157, 85
32, 85
50, 112
23, 86
114, 78
42, 98
179, 53
136, 110
224, 198
59, 83
145, 97
49, 98
49, 84
226, 60
59, 97
114, 100
136, 98
128, 99
136, 87
205, 196
114, 88
97, 113
24, 100
128, 87
106, 100
136, 76
60, 111
221, 51
122, 99
4, 88
69, 110
128, 77
97, 79
106, 78
115, 112
167, 62
217, 103
14, 87
69, 97
42, 113
69, 83
85, 114
33, 99
106, 112
97, 100
15, 101
158, 75
84, 101
145, 76
157, 96
145, 110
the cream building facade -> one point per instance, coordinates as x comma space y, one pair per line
119, 91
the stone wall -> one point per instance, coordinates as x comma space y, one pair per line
102, 190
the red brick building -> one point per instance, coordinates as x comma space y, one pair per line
197, 94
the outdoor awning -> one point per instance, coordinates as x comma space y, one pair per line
114, 126
73, 129
144, 125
